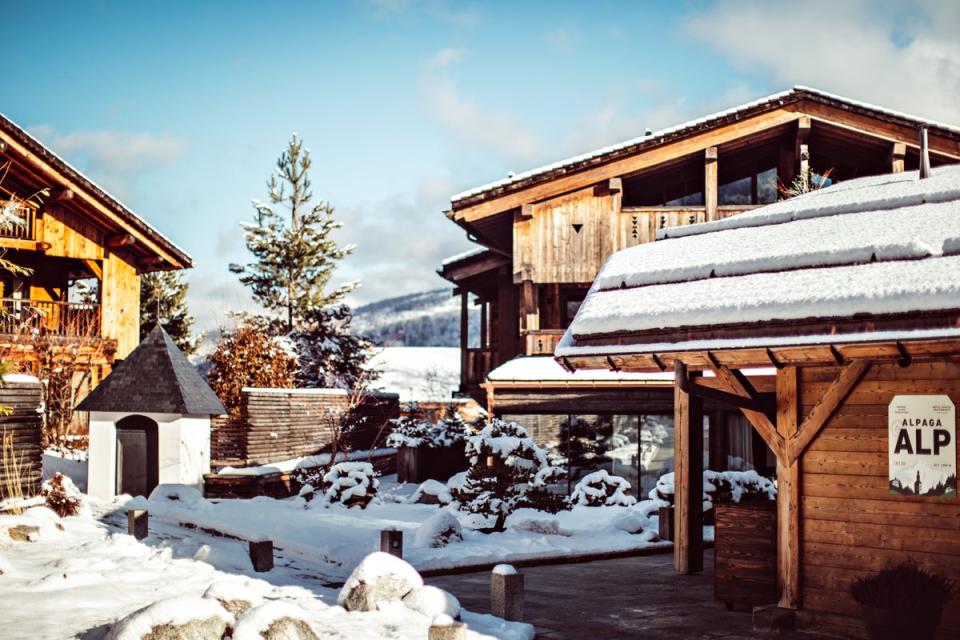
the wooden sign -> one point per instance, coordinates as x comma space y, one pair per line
922, 443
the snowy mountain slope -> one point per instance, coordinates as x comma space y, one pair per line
425, 319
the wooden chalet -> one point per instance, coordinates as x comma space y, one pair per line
73, 233
543, 235
852, 296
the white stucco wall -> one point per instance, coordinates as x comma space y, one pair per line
183, 450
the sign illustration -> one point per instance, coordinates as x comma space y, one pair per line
922, 443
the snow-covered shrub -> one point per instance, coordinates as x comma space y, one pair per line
379, 578
504, 460
539, 495
543, 527
61, 495
274, 621
431, 492
351, 484
438, 530
602, 489
455, 485
411, 430
432, 602
719, 486
180, 617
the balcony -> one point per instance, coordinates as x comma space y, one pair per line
477, 364
26, 231
21, 317
541, 342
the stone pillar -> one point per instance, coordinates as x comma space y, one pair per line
391, 541
138, 523
506, 593
447, 629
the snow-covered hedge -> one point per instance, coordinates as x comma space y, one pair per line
413, 431
720, 486
351, 484
431, 492
438, 530
600, 489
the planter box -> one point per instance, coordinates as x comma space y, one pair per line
745, 553
416, 464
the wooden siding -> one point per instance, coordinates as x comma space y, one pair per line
850, 524
548, 247
273, 425
70, 235
120, 304
22, 425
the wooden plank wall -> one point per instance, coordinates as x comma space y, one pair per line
23, 424
850, 524
70, 235
274, 425
548, 248
120, 304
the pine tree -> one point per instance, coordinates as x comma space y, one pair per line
293, 260
163, 298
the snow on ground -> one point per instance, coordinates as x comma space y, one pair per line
329, 542
417, 373
84, 573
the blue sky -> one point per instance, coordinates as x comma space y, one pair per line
180, 109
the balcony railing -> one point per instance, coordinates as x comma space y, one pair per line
26, 230
541, 342
479, 363
67, 319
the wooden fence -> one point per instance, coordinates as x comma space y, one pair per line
20, 425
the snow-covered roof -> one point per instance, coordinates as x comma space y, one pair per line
472, 253
64, 167
879, 245
792, 94
546, 369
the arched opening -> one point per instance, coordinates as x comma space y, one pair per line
137, 459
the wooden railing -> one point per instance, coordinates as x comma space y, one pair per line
479, 362
542, 342
26, 230
68, 319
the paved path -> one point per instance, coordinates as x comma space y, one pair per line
639, 597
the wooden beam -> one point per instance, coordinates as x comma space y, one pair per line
898, 155
483, 324
615, 185
846, 380
688, 478
120, 240
788, 493
94, 268
526, 211
704, 392
710, 183
464, 336
153, 262
61, 194
737, 384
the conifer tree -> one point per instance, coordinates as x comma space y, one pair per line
293, 259
163, 298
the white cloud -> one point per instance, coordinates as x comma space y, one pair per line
468, 121
904, 56
114, 159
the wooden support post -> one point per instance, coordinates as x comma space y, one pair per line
447, 631
529, 307
138, 523
665, 522
261, 555
483, 324
391, 541
688, 477
710, 183
508, 323
898, 156
802, 149
506, 593
464, 337
788, 492
718, 441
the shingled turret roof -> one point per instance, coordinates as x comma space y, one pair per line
155, 378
